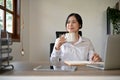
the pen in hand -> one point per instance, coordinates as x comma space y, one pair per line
96, 58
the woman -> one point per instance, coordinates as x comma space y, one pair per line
79, 50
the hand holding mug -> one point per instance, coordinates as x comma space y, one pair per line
68, 37
60, 41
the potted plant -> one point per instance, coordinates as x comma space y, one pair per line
114, 16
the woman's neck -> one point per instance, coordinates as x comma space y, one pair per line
77, 36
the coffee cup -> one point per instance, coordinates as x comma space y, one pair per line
70, 37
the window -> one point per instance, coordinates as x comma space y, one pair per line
10, 17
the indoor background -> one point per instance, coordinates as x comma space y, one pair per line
42, 18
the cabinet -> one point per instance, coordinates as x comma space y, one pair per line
5, 50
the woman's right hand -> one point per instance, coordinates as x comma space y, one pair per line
96, 58
60, 41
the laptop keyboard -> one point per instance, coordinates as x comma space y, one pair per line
99, 66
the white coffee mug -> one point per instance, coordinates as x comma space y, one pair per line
70, 37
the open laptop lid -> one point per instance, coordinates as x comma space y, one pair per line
112, 55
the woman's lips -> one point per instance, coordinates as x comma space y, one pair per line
71, 28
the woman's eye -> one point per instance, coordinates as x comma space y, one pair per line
71, 22
68, 22
74, 22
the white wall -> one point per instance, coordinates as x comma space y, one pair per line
43, 17
16, 47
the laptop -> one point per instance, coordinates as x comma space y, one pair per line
112, 54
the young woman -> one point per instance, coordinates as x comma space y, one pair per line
79, 50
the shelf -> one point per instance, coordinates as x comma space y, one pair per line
5, 51
5, 41
4, 59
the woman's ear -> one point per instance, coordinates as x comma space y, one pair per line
80, 27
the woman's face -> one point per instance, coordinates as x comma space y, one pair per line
72, 24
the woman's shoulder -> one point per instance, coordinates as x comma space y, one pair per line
85, 38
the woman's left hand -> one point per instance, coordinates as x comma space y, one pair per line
96, 58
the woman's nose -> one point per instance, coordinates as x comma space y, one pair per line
70, 24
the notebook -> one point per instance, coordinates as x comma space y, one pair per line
81, 63
112, 54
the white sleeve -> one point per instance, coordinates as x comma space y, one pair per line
91, 51
55, 55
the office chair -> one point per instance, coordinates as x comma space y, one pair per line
59, 33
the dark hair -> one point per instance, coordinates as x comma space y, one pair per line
77, 16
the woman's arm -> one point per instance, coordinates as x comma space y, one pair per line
93, 56
56, 54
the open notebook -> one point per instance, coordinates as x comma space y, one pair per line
80, 63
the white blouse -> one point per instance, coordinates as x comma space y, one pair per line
82, 50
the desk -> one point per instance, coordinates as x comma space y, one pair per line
24, 70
